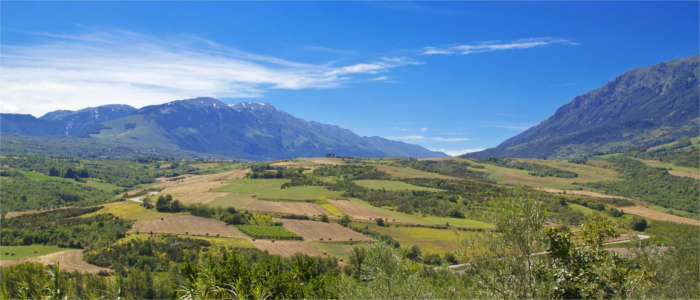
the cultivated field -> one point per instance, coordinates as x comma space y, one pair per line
428, 239
287, 207
649, 213
322, 231
189, 225
270, 189
673, 169
357, 211
131, 211
198, 188
68, 260
268, 232
392, 185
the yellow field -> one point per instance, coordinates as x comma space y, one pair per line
591, 172
131, 211
673, 169
428, 239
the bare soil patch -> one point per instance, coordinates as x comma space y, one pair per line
190, 225
357, 211
69, 261
197, 188
322, 231
288, 207
287, 248
684, 174
657, 215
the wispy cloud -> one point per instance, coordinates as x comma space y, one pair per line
490, 46
95, 68
448, 139
457, 152
414, 138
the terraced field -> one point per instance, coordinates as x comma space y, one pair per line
287, 207
189, 225
322, 231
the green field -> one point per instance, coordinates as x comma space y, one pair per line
424, 220
269, 189
268, 232
340, 250
19, 252
391, 185
428, 239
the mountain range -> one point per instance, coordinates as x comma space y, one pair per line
203, 127
641, 108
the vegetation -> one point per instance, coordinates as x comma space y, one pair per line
62, 228
392, 185
653, 185
19, 252
532, 169
456, 168
271, 232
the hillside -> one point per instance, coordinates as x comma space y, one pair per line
638, 109
252, 131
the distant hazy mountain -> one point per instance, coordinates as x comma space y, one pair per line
640, 108
254, 131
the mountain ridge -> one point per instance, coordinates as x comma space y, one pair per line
640, 108
245, 130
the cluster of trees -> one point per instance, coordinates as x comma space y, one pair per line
653, 185
165, 203
123, 173
24, 192
63, 228
157, 253
532, 169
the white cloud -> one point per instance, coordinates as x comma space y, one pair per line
407, 138
410, 138
449, 139
76, 71
380, 78
424, 129
457, 152
490, 46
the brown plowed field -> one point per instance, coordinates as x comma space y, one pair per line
287, 248
356, 211
657, 215
69, 261
638, 210
196, 188
288, 207
322, 231
191, 225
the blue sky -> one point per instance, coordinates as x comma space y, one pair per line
452, 76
